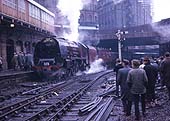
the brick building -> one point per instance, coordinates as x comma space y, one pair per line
22, 24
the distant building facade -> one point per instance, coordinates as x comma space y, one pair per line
126, 13
89, 21
89, 16
128, 16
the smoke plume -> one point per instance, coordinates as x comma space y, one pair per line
118, 1
159, 12
163, 31
160, 9
71, 10
96, 66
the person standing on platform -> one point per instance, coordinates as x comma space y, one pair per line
15, 61
121, 79
165, 72
116, 69
137, 81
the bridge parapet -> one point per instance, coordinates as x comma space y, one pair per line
133, 32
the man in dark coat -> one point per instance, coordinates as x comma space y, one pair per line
121, 79
116, 69
165, 71
152, 73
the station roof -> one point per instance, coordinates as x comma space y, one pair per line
41, 7
80, 27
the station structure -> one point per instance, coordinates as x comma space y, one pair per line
25, 22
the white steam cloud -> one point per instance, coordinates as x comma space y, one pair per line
118, 1
96, 66
160, 9
163, 30
71, 10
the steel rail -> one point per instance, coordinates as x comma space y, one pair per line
51, 107
87, 108
58, 104
5, 111
89, 118
105, 111
57, 115
69, 103
66, 101
102, 112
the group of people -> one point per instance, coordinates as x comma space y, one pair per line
22, 61
137, 82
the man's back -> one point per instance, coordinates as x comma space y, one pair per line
165, 70
122, 76
137, 77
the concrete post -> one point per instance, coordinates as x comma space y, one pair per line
119, 50
118, 34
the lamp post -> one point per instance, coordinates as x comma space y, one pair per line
120, 37
118, 34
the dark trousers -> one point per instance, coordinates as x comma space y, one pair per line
150, 95
136, 101
129, 106
0, 67
168, 92
117, 88
126, 101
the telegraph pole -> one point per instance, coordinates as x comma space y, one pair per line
118, 34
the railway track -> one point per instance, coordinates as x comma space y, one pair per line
11, 88
11, 84
83, 98
48, 101
95, 103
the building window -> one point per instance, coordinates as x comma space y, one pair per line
82, 17
21, 6
90, 18
10, 3
95, 19
46, 18
34, 11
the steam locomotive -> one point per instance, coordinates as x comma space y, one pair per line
59, 57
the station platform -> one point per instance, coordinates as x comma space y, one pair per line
13, 74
